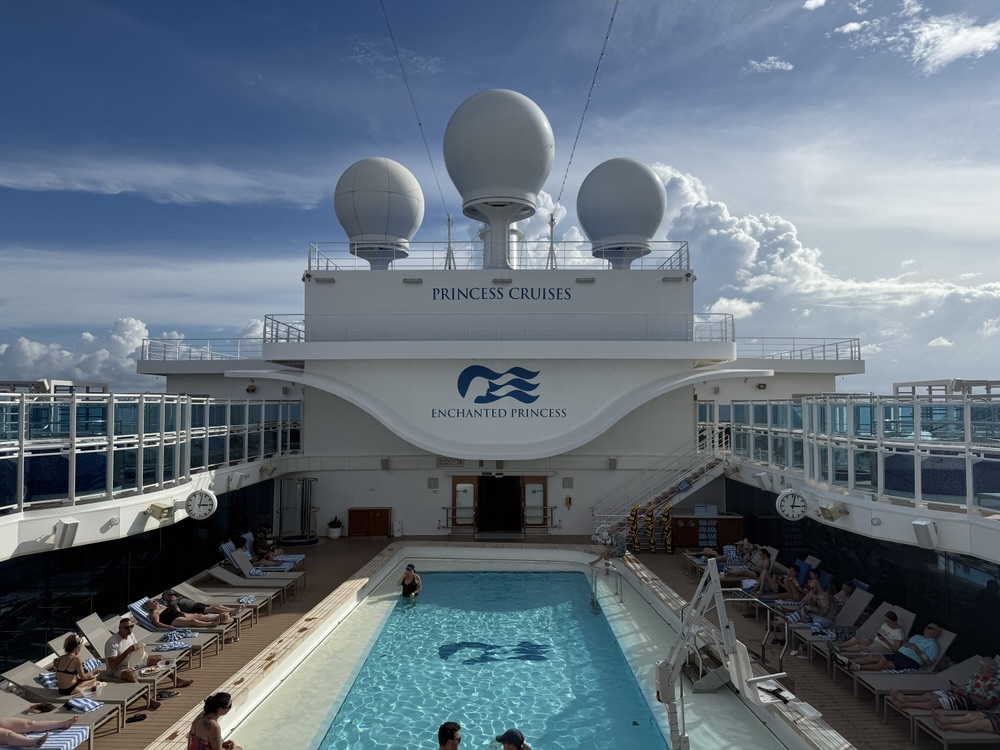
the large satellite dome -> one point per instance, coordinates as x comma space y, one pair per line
620, 206
380, 205
498, 149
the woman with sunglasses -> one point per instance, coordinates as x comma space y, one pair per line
206, 733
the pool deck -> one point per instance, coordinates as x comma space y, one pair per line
333, 563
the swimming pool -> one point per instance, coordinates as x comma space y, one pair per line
493, 650
302, 702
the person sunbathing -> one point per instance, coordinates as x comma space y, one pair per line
888, 638
818, 607
14, 730
70, 675
982, 690
973, 721
172, 600
266, 561
789, 589
913, 654
164, 618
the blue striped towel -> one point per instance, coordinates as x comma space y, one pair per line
83, 705
64, 739
247, 599
173, 646
259, 572
48, 680
91, 664
177, 635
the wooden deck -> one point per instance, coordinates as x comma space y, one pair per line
330, 564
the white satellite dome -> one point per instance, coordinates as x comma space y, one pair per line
498, 149
620, 206
380, 205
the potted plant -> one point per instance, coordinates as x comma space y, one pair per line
334, 528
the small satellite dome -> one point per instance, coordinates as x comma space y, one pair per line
499, 149
620, 206
380, 205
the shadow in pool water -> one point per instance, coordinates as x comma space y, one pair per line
523, 651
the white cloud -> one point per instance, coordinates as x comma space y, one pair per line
941, 40
989, 328
813, 4
940, 341
925, 314
160, 181
851, 28
768, 65
738, 308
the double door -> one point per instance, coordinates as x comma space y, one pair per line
499, 503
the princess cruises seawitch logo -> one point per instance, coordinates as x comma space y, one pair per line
514, 383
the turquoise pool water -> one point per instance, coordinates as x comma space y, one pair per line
492, 650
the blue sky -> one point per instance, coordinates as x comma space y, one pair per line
834, 165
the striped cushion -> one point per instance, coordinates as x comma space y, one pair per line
248, 599
173, 646
48, 680
83, 705
177, 635
259, 572
91, 664
63, 739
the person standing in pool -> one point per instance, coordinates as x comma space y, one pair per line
410, 582
449, 735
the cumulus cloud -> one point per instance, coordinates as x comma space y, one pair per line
989, 328
813, 4
768, 65
738, 308
940, 341
109, 357
929, 42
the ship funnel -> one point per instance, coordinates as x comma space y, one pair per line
380, 205
620, 206
498, 149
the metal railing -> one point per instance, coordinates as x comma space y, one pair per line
176, 350
296, 328
798, 348
665, 255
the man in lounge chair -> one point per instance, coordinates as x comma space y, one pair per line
264, 561
913, 654
118, 653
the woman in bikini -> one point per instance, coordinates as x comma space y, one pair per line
206, 733
162, 617
70, 677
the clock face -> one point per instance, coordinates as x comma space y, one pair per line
201, 504
791, 505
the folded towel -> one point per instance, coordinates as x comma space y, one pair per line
172, 646
91, 664
63, 739
247, 599
48, 680
177, 635
83, 705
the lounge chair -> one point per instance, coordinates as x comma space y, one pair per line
207, 636
867, 629
228, 549
60, 739
904, 617
298, 560
242, 570
124, 694
957, 673
97, 632
262, 598
236, 581
950, 737
880, 683
225, 631
110, 714
847, 617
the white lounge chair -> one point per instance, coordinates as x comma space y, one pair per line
880, 683
109, 714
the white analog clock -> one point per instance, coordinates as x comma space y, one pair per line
791, 505
200, 504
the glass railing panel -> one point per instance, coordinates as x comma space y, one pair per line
47, 421
217, 414
10, 421
741, 444
865, 421
270, 442
150, 467
795, 421
253, 446
841, 475
725, 413
294, 440
899, 474
217, 450
821, 415
237, 447
866, 470
798, 453
272, 413
8, 482
151, 418
170, 417
760, 447
199, 453
254, 415
897, 421
706, 411
237, 415
46, 477
779, 450
295, 411
986, 482
838, 419
92, 420
126, 419
822, 463
984, 420
169, 452
125, 474
779, 415
91, 473
943, 422
759, 413
942, 479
